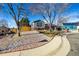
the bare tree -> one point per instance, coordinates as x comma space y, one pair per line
49, 12
16, 11
62, 20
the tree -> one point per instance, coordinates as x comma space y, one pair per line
24, 21
49, 12
62, 20
16, 11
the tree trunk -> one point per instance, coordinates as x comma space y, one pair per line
18, 30
50, 28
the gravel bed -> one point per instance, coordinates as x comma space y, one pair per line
8, 44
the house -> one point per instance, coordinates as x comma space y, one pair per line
53, 26
25, 27
38, 24
4, 30
71, 26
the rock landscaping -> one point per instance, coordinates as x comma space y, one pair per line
11, 44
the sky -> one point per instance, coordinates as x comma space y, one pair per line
72, 11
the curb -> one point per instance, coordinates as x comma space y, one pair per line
65, 48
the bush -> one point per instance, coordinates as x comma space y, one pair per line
48, 33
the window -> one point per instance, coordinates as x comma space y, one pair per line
39, 24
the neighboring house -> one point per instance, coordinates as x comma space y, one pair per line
54, 27
38, 24
24, 27
3, 30
71, 26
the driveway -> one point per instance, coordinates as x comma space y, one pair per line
74, 42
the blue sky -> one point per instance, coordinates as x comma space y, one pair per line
73, 11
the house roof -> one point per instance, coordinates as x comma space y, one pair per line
37, 21
3, 27
69, 23
75, 23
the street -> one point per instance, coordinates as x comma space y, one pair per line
74, 42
